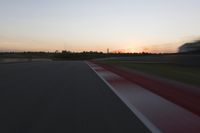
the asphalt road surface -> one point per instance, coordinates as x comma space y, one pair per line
60, 97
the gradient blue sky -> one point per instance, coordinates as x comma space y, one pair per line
77, 25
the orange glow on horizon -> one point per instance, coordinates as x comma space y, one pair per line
79, 46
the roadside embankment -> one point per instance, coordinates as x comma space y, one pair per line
20, 60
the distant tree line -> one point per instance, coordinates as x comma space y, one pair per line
68, 55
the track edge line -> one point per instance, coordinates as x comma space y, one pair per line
139, 115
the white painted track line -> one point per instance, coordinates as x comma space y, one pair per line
157, 113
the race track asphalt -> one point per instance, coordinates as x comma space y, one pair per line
60, 97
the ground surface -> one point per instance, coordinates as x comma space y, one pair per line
60, 97
185, 74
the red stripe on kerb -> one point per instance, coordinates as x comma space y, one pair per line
165, 115
180, 96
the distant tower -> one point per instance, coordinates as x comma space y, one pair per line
107, 50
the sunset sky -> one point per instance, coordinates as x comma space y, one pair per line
84, 25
